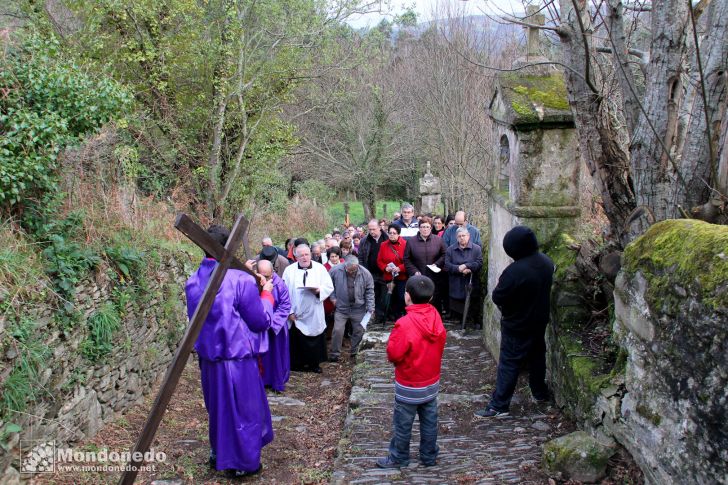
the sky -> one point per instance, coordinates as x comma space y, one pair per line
425, 9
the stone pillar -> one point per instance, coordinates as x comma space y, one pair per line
430, 192
537, 180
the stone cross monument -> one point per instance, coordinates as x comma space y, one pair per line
537, 179
430, 192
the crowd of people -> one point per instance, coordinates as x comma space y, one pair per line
413, 269
448, 250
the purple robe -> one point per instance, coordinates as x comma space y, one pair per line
277, 360
239, 417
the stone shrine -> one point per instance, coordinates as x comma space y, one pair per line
430, 192
536, 181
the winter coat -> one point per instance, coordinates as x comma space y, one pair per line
392, 253
416, 345
523, 292
363, 290
369, 250
472, 257
401, 224
420, 252
450, 235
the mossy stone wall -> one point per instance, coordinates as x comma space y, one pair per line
83, 390
666, 397
672, 319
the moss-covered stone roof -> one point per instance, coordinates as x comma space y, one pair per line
532, 100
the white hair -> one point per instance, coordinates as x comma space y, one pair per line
304, 246
462, 230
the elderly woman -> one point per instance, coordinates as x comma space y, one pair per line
463, 262
425, 254
391, 261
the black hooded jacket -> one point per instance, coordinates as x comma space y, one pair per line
523, 292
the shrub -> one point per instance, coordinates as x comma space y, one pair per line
50, 103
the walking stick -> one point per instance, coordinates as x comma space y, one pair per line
468, 291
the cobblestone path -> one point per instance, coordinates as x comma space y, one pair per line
502, 450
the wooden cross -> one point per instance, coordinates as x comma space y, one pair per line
226, 259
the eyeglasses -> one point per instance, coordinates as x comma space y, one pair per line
425, 226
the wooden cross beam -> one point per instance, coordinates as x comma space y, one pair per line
226, 259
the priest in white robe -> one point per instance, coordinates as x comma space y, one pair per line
309, 284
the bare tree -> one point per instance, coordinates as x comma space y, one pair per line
447, 98
663, 154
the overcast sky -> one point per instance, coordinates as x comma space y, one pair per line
425, 9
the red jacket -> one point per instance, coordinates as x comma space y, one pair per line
392, 253
415, 346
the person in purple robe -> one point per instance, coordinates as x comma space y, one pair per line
239, 417
277, 360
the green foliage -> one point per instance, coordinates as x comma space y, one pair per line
203, 71
101, 327
316, 190
7, 430
21, 385
67, 262
337, 213
129, 261
51, 103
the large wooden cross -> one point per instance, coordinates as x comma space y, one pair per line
226, 259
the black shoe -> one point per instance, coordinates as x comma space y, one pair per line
333, 359
317, 370
428, 464
490, 413
388, 462
212, 460
239, 474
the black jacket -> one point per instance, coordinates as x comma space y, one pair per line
368, 252
523, 292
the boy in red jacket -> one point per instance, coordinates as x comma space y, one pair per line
415, 348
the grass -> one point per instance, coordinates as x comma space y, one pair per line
337, 214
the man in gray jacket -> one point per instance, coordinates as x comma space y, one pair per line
353, 298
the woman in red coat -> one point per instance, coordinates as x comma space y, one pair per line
391, 263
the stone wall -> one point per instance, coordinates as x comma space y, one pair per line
666, 397
80, 395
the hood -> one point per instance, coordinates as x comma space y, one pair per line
520, 242
427, 320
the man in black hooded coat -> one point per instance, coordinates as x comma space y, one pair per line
523, 296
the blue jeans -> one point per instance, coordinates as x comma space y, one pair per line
514, 351
404, 416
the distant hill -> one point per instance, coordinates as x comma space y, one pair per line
483, 24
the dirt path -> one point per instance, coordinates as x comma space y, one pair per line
330, 431
308, 419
